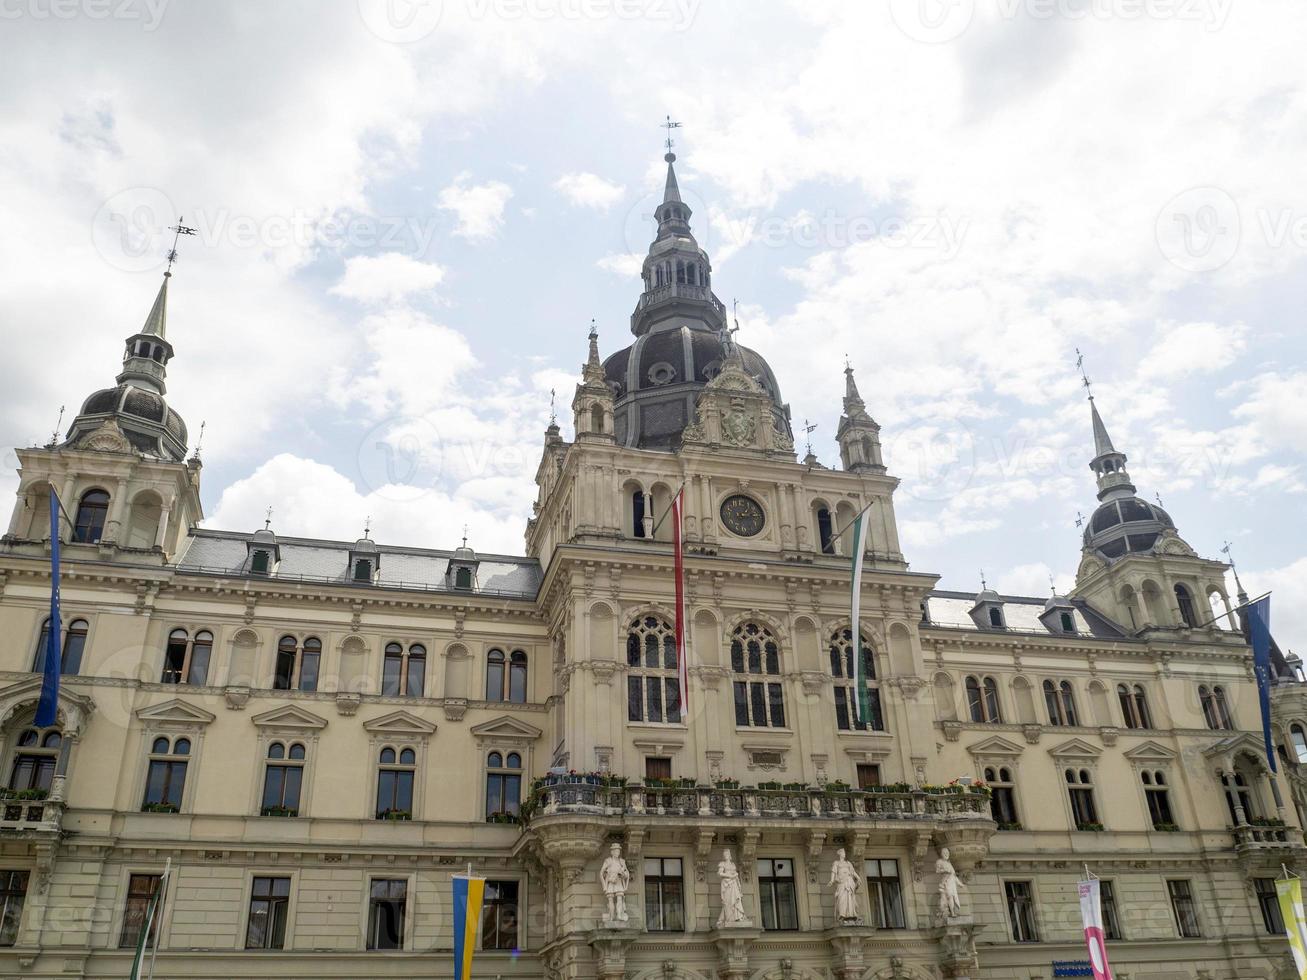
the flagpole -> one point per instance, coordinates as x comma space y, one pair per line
658, 523
158, 915
836, 537
1230, 614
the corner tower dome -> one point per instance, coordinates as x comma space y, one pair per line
682, 338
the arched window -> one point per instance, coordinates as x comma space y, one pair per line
1216, 712
1080, 788
637, 514
74, 646
92, 512
982, 699
755, 657
1002, 799
597, 418
680, 271
362, 570
1068, 623
506, 676
396, 771
1237, 791
1158, 798
825, 532
165, 779
503, 786
1299, 739
846, 689
1186, 603
404, 672
282, 780
462, 577
185, 660
653, 687
1134, 706
1060, 700
297, 664
35, 759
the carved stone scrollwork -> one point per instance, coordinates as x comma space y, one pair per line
236, 697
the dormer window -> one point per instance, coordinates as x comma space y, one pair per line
260, 562
362, 570
996, 617
1068, 623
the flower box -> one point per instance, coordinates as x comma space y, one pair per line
1090, 827
33, 793
160, 808
279, 811
395, 815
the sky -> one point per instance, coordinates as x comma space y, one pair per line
407, 213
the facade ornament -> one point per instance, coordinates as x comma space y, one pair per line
615, 877
950, 903
845, 881
732, 913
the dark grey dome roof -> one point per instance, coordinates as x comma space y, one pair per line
682, 355
1126, 525
143, 415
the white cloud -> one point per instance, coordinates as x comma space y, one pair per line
589, 190
1032, 580
1277, 410
1192, 348
626, 264
388, 277
479, 208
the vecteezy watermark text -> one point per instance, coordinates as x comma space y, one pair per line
148, 12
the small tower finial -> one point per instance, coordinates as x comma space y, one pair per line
178, 229
553, 411
808, 427
984, 586
594, 329
367, 525
669, 156
1084, 378
1052, 584
267, 521
1080, 519
195, 453
464, 535
59, 424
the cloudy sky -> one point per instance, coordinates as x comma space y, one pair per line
408, 214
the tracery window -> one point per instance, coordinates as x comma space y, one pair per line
653, 688
756, 663
846, 690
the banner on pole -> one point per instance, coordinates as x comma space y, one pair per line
1091, 914
1289, 892
468, 893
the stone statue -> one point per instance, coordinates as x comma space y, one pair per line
844, 876
950, 905
615, 877
732, 898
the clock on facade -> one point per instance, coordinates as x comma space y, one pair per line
742, 515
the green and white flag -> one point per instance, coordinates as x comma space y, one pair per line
861, 704
152, 912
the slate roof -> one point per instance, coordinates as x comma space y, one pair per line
314, 560
1021, 614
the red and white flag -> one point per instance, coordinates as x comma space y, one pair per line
1091, 913
682, 654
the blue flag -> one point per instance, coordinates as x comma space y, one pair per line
51, 665
1259, 629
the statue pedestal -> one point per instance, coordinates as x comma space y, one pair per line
956, 935
610, 943
733, 943
848, 948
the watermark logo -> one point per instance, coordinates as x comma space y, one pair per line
401, 21
401, 459
1199, 230
148, 12
932, 21
128, 230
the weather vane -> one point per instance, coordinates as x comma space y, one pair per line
267, 521
199, 442
1225, 550
1051, 583
367, 525
1080, 519
464, 535
1159, 501
553, 414
57, 426
1084, 378
669, 126
178, 229
984, 586
808, 427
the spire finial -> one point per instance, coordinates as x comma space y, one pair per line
54, 439
808, 428
1052, 584
178, 229
553, 411
594, 330
1084, 378
464, 535
1225, 550
195, 453
267, 521
367, 525
984, 585
669, 156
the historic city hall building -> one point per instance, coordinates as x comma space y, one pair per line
317, 734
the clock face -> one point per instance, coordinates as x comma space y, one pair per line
742, 515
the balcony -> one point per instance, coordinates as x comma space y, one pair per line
24, 815
1263, 837
679, 290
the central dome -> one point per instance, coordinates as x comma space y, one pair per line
656, 382
1126, 525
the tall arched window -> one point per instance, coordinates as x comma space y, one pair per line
282, 780
186, 660
1216, 712
756, 662
653, 687
35, 759
637, 514
506, 676
404, 672
1158, 798
1237, 791
1060, 700
1002, 800
165, 780
1186, 603
1134, 706
1080, 788
396, 771
842, 667
503, 785
74, 644
297, 664
982, 699
92, 512
1299, 738
825, 532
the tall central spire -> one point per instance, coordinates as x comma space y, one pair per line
1108, 464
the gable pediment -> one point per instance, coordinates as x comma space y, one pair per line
995, 745
1236, 744
507, 728
289, 716
1150, 752
399, 723
72, 709
1075, 748
175, 712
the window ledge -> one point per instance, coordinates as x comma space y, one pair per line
764, 732
659, 726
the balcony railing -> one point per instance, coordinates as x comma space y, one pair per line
679, 290
19, 813
708, 801
1255, 836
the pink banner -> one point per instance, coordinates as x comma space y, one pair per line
1091, 913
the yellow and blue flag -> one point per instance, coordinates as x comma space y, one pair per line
468, 893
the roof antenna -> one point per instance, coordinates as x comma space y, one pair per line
54, 439
179, 229
1084, 378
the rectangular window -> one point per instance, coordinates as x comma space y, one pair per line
776, 894
868, 775
1269, 903
885, 893
657, 767
269, 903
1082, 807
1182, 904
635, 699
1159, 807
1003, 806
140, 890
1111, 920
13, 891
499, 915
387, 904
1021, 911
664, 901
